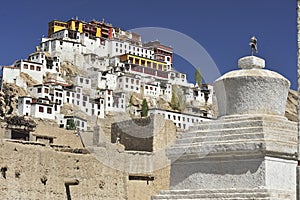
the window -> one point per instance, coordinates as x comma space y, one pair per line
38, 68
25, 66
27, 102
39, 90
46, 90
41, 109
31, 67
82, 124
49, 110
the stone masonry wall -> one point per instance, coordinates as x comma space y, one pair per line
35, 172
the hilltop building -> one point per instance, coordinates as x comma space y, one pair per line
97, 67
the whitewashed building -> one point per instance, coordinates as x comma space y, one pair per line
152, 89
51, 64
129, 83
11, 74
181, 120
38, 108
178, 78
80, 123
33, 69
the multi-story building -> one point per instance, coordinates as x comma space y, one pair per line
129, 83
181, 120
51, 64
38, 108
110, 64
161, 53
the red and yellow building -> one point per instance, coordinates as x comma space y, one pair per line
94, 28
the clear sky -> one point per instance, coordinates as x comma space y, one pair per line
222, 27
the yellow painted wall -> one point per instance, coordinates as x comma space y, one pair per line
98, 32
127, 56
52, 27
72, 25
80, 27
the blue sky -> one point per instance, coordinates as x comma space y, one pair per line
222, 27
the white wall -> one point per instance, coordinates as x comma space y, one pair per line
181, 120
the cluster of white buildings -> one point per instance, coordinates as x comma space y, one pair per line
116, 64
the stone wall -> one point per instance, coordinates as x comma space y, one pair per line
35, 172
150, 134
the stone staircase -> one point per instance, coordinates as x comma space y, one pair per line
232, 134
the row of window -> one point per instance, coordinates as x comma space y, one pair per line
133, 48
41, 110
32, 67
87, 81
131, 80
46, 90
174, 117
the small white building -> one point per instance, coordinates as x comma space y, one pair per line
84, 82
51, 64
166, 90
152, 89
24, 105
181, 120
204, 94
11, 74
38, 108
113, 101
80, 123
129, 83
33, 69
177, 78
52, 92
